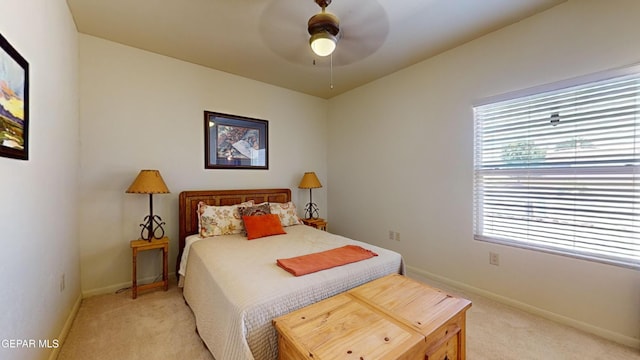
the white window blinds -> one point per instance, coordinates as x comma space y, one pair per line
558, 171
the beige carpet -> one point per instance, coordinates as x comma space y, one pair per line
156, 325
159, 325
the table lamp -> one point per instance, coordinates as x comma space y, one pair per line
310, 181
150, 182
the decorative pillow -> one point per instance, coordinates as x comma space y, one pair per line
286, 212
260, 209
220, 220
258, 226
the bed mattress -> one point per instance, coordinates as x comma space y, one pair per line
235, 288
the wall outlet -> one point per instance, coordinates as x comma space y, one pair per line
391, 235
62, 283
397, 236
494, 258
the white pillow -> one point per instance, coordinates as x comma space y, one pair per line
286, 212
220, 220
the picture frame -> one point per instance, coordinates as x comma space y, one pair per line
235, 142
14, 102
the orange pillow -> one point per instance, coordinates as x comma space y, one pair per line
258, 226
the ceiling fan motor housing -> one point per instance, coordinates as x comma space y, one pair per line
324, 21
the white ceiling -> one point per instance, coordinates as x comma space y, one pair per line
267, 40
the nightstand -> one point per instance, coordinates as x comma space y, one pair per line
143, 245
318, 223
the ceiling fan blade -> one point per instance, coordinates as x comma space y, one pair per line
283, 28
364, 29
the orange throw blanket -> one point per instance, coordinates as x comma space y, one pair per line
306, 264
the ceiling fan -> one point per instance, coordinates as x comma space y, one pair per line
361, 29
324, 29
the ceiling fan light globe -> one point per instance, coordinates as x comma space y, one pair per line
323, 43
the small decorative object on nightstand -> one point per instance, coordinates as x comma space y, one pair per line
142, 245
310, 181
318, 223
150, 182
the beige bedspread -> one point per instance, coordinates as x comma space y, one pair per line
235, 288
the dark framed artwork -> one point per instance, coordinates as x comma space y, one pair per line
14, 103
235, 142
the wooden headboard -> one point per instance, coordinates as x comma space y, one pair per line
188, 206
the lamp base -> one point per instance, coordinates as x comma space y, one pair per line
152, 228
311, 211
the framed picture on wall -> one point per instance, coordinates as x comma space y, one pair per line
14, 103
235, 142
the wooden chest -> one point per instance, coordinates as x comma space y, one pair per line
438, 316
393, 317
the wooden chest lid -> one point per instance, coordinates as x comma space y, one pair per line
422, 307
342, 327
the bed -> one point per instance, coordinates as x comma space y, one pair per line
234, 286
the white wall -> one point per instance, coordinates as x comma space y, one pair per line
401, 156
139, 111
38, 211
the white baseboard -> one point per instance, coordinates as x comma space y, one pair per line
67, 326
125, 285
106, 290
604, 333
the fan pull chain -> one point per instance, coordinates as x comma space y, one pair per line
331, 70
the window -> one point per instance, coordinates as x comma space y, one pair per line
557, 170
